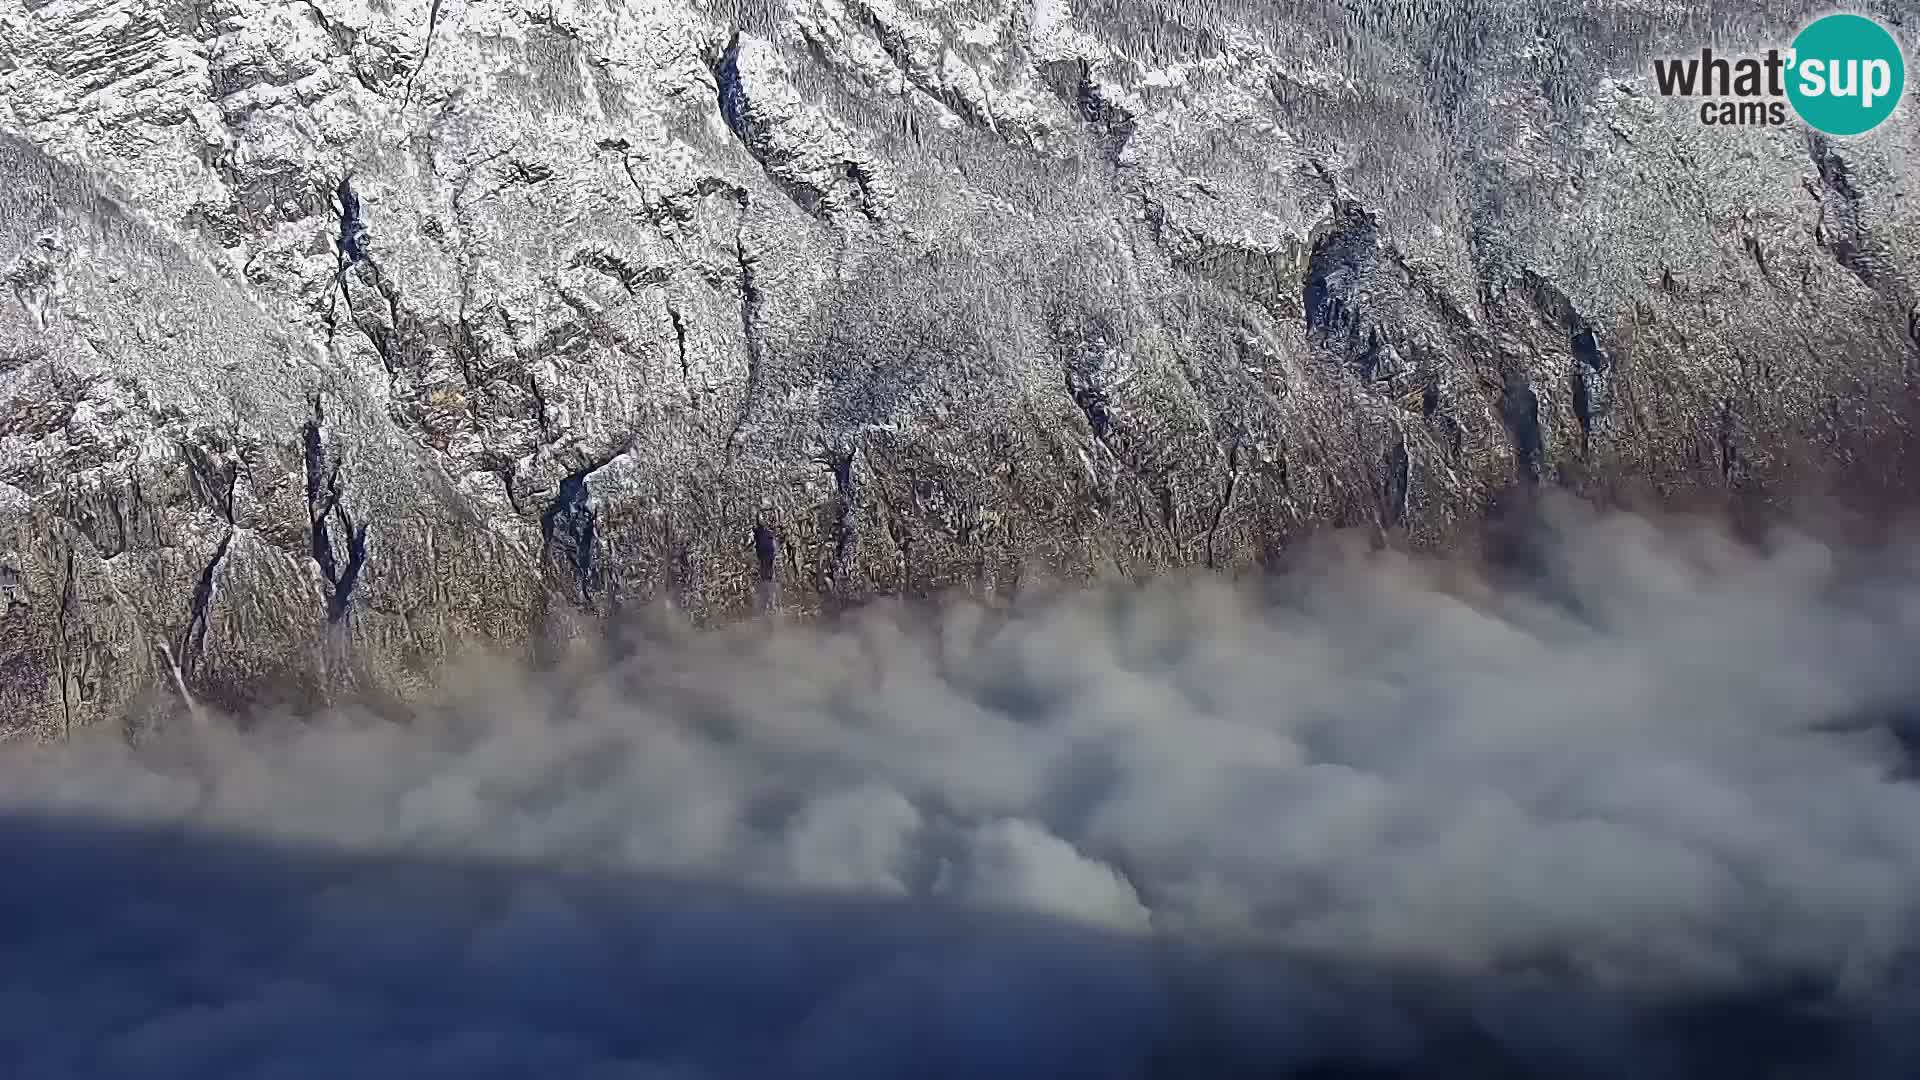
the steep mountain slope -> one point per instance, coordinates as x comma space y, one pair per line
339, 336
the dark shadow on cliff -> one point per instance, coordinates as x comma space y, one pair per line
164, 952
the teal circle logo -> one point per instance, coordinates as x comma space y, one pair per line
1847, 74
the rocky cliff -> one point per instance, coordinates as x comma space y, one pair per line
341, 335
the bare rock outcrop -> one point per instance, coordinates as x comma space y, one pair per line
338, 336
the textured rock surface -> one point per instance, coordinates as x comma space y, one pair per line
340, 335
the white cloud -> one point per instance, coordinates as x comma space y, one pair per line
1078, 835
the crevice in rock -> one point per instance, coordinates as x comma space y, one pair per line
845, 520
588, 317
505, 473
1399, 473
353, 229
119, 519
1724, 446
346, 246
426, 50
326, 511
351, 243
680, 346
678, 207
1591, 384
539, 407
1110, 125
212, 479
630, 277
737, 111
732, 94
384, 338
527, 173
898, 50
193, 641
1553, 305
1838, 230
1226, 499
569, 528
1586, 349
865, 198
1344, 259
322, 492
1337, 268
1093, 405
340, 599
60, 632
462, 344
749, 316
1520, 414
1378, 362
766, 552
1757, 254
1591, 371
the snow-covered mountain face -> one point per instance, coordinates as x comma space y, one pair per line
341, 336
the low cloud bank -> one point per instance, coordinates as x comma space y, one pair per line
1647, 814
